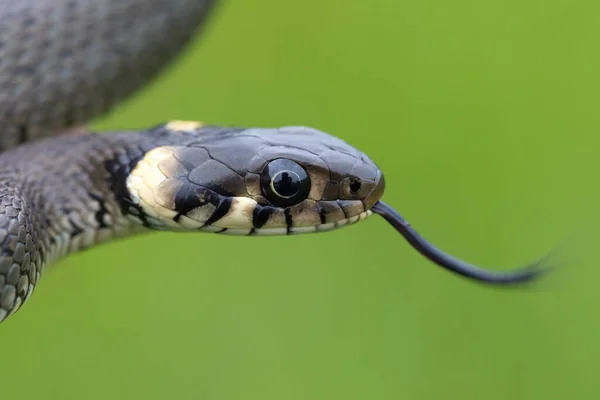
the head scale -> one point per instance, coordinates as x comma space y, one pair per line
251, 181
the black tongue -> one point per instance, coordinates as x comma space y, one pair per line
517, 276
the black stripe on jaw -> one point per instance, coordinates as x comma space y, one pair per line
222, 209
191, 196
261, 215
340, 203
322, 214
289, 221
184, 203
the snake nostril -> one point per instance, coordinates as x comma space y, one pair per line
355, 185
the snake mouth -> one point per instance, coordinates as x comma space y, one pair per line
312, 228
517, 276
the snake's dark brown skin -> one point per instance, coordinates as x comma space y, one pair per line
65, 62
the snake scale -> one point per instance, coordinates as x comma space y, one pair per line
66, 62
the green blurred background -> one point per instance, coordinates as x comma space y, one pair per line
483, 117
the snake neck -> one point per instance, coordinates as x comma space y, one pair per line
57, 197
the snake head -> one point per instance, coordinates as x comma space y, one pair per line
252, 181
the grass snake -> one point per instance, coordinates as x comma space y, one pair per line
66, 62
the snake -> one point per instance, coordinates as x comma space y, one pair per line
65, 188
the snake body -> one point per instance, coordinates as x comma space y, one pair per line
64, 62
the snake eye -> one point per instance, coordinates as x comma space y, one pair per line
284, 182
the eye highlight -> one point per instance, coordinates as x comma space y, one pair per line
284, 182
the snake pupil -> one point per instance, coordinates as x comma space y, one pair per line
286, 183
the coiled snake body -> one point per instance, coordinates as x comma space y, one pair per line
65, 62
